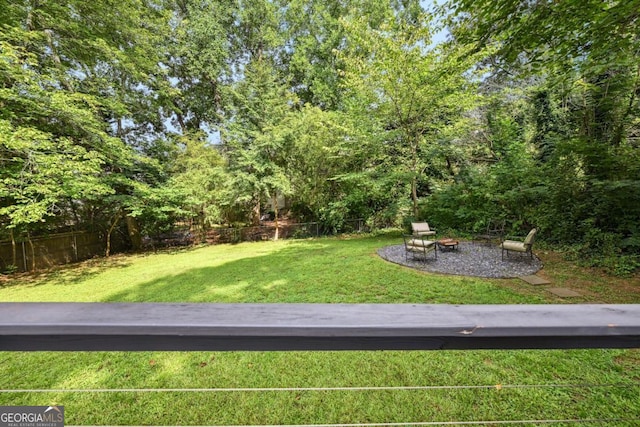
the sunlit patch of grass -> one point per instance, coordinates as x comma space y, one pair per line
323, 270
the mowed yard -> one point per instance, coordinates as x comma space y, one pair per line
123, 388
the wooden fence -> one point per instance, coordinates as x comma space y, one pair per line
285, 231
64, 248
47, 251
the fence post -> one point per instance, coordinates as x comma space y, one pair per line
75, 246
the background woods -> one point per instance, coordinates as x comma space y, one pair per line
130, 120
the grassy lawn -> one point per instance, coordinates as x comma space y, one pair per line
461, 385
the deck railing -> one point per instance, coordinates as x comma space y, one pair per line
271, 327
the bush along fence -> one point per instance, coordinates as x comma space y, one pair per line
284, 231
268, 231
65, 248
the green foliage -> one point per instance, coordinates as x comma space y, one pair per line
48, 143
197, 57
10, 269
315, 33
415, 93
200, 182
529, 113
259, 144
317, 155
604, 250
576, 176
464, 206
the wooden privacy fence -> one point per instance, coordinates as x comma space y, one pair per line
64, 248
47, 251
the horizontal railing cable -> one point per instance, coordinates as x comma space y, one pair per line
312, 389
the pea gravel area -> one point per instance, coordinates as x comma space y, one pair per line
469, 259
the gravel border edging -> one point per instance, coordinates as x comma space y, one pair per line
470, 259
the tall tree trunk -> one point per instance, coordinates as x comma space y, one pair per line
133, 229
14, 252
116, 219
183, 125
621, 128
414, 196
56, 58
255, 220
274, 199
29, 21
33, 252
414, 174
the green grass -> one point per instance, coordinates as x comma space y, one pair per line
323, 270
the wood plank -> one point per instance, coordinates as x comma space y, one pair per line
275, 327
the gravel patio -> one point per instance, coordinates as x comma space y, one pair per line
469, 259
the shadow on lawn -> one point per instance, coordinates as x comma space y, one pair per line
67, 274
290, 274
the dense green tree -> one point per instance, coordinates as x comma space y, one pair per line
199, 64
201, 180
76, 79
257, 152
578, 62
313, 33
327, 168
414, 91
587, 48
53, 139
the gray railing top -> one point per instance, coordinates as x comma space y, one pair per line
274, 327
